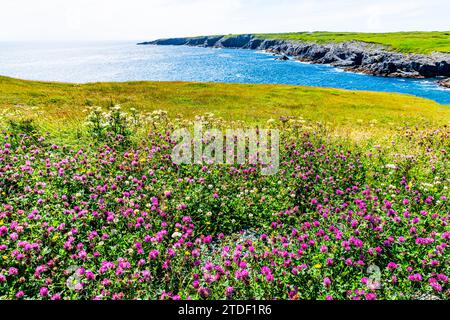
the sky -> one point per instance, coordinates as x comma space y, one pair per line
85, 20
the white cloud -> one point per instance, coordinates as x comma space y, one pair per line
148, 19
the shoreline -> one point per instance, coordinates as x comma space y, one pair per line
351, 56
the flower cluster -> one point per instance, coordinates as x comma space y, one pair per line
336, 222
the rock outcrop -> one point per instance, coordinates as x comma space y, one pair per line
445, 83
354, 56
283, 58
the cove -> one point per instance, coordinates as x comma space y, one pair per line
125, 61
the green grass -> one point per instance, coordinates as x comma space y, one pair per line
406, 42
62, 108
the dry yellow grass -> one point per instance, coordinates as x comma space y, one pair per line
60, 107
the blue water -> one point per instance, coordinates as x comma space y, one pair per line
118, 61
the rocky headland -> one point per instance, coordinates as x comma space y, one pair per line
356, 56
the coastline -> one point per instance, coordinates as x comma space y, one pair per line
353, 56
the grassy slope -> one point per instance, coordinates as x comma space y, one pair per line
406, 42
59, 107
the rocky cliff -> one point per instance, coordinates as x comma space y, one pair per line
355, 56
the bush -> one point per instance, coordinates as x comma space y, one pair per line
114, 126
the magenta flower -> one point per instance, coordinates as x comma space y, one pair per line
155, 201
392, 265
13, 271
270, 278
326, 282
90, 275
153, 254
371, 296
415, 277
204, 292
43, 292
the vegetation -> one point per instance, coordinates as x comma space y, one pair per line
406, 42
97, 209
61, 108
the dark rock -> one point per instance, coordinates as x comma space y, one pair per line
254, 44
443, 69
240, 41
166, 42
201, 41
283, 58
211, 41
316, 52
428, 70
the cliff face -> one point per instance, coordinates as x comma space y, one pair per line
353, 55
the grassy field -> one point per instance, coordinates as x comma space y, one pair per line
62, 108
406, 42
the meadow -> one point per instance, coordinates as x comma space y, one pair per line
61, 109
406, 42
93, 207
